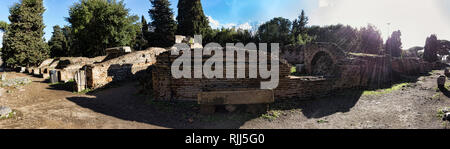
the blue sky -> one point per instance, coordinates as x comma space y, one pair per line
417, 19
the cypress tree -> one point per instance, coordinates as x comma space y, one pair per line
191, 18
141, 39
394, 44
163, 23
58, 43
299, 30
25, 45
431, 48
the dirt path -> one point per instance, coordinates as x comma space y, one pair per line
41, 105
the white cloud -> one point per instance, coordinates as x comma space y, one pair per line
245, 26
229, 25
213, 23
216, 24
323, 3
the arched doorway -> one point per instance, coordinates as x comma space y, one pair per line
322, 65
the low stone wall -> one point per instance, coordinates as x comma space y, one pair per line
365, 71
120, 68
69, 66
410, 66
305, 87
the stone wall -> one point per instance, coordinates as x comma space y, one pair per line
330, 69
410, 66
67, 67
365, 71
120, 68
293, 54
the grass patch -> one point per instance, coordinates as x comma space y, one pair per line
271, 115
436, 96
13, 114
441, 112
293, 70
385, 91
322, 121
85, 91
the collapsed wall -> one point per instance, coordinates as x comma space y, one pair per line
120, 68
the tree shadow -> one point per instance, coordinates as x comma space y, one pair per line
123, 102
444, 91
318, 107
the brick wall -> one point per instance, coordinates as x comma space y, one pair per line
166, 87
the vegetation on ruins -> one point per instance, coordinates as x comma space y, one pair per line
394, 44
191, 19
24, 44
59, 46
163, 23
431, 47
100, 24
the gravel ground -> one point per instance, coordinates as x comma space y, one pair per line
41, 105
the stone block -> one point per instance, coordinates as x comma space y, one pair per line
236, 97
80, 81
441, 81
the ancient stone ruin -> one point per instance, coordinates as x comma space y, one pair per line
120, 68
322, 69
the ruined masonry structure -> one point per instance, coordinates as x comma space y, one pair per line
123, 67
328, 68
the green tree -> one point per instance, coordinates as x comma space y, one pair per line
431, 48
345, 37
59, 46
394, 44
141, 43
67, 32
276, 30
163, 23
3, 26
299, 29
229, 35
24, 44
100, 24
191, 19
370, 40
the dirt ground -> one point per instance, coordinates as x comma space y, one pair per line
42, 105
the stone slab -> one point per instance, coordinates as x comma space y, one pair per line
236, 97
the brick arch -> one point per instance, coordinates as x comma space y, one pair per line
313, 50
